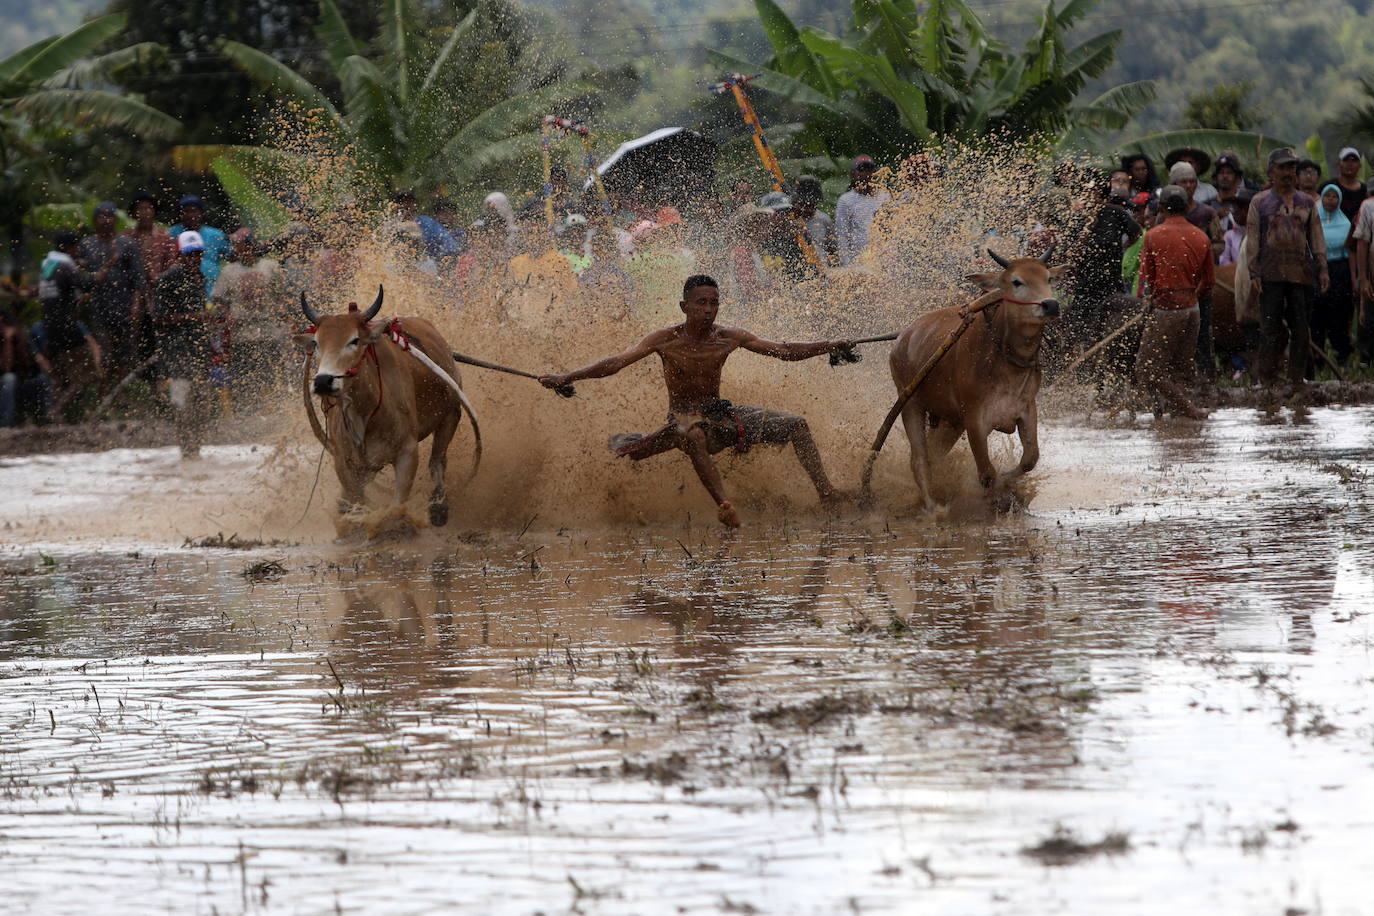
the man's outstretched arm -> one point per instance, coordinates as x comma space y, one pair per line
791, 351
608, 366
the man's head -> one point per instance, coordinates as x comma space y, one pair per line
143, 208
1283, 169
245, 246
1240, 205
742, 193
1195, 157
192, 212
1309, 173
1183, 175
1139, 168
1173, 199
105, 217
404, 202
808, 196
1348, 163
1119, 184
65, 242
861, 175
190, 247
446, 212
1228, 172
700, 299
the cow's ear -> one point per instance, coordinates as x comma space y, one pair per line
987, 282
376, 330
304, 343
1057, 272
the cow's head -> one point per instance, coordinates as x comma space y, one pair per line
341, 342
1025, 286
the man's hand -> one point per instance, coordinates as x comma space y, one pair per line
838, 345
1324, 282
553, 381
1255, 287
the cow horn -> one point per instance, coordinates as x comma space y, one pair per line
375, 307
999, 259
1045, 258
310, 313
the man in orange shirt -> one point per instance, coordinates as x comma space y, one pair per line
1175, 269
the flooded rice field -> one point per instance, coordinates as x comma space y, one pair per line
1152, 691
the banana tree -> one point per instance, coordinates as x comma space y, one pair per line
1253, 149
400, 118
54, 87
903, 75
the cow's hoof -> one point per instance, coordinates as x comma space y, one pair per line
438, 515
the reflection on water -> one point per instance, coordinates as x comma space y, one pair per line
878, 715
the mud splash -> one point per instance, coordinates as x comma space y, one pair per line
1153, 691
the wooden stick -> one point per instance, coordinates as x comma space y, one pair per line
1097, 347
1326, 359
967, 317
109, 399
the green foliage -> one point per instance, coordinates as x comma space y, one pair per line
901, 75
51, 92
1222, 107
404, 117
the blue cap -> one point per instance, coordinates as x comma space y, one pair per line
191, 200
106, 208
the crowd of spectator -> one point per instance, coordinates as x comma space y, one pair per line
201, 317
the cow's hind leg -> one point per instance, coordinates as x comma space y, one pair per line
438, 467
914, 422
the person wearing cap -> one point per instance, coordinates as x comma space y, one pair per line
216, 243
1353, 191
183, 330
66, 341
1333, 309
1229, 175
1285, 246
1175, 271
855, 209
115, 263
1204, 193
1182, 174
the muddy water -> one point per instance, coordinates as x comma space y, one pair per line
1153, 690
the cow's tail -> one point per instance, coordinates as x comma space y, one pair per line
476, 436
432, 366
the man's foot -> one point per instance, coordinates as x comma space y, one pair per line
836, 498
727, 514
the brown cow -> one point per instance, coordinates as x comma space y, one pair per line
989, 378
380, 402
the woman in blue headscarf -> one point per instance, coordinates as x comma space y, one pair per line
1333, 310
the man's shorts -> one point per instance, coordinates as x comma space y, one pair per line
726, 426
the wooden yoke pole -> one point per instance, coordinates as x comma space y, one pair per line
734, 83
967, 316
546, 148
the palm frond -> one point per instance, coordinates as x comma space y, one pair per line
97, 108
274, 75
106, 67
442, 58
339, 43
61, 52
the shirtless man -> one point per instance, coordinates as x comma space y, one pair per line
700, 422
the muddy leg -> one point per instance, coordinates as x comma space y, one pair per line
914, 421
407, 462
1027, 428
810, 458
695, 445
438, 465
978, 444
